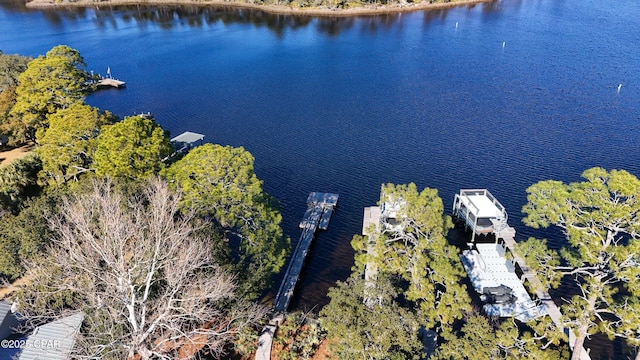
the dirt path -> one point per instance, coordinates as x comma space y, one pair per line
7, 290
7, 156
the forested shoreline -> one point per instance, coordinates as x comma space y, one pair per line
331, 8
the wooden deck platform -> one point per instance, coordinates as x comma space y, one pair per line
111, 82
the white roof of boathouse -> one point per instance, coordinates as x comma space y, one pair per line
188, 137
481, 203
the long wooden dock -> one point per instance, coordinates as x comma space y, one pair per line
319, 210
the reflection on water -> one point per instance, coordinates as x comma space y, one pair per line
198, 16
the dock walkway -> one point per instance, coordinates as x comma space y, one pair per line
508, 235
319, 210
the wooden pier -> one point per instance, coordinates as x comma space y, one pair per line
319, 210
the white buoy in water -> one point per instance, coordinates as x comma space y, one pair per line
503, 44
456, 24
619, 87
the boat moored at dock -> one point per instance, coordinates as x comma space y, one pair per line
496, 271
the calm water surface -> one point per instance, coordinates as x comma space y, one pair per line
496, 95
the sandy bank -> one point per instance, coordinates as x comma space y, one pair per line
274, 9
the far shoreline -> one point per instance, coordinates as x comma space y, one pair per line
272, 9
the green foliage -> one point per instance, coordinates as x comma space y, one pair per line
299, 336
132, 148
67, 146
542, 260
246, 341
481, 339
7, 100
50, 83
384, 330
18, 181
413, 246
601, 220
23, 237
219, 181
11, 66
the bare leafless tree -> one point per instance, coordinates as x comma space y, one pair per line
149, 287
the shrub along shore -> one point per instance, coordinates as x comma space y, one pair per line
339, 7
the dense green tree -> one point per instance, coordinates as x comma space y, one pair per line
7, 100
11, 66
18, 181
50, 83
383, 330
67, 146
600, 218
219, 181
133, 148
481, 339
23, 237
413, 246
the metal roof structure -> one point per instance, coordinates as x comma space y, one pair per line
53, 341
7, 320
188, 137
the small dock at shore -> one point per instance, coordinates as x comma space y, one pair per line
320, 207
110, 82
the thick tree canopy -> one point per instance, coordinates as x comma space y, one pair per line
67, 146
414, 247
50, 83
601, 220
18, 181
147, 284
482, 339
219, 181
132, 148
11, 66
382, 331
23, 237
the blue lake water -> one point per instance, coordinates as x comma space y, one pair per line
495, 96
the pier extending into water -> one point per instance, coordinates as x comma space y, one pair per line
320, 207
319, 210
